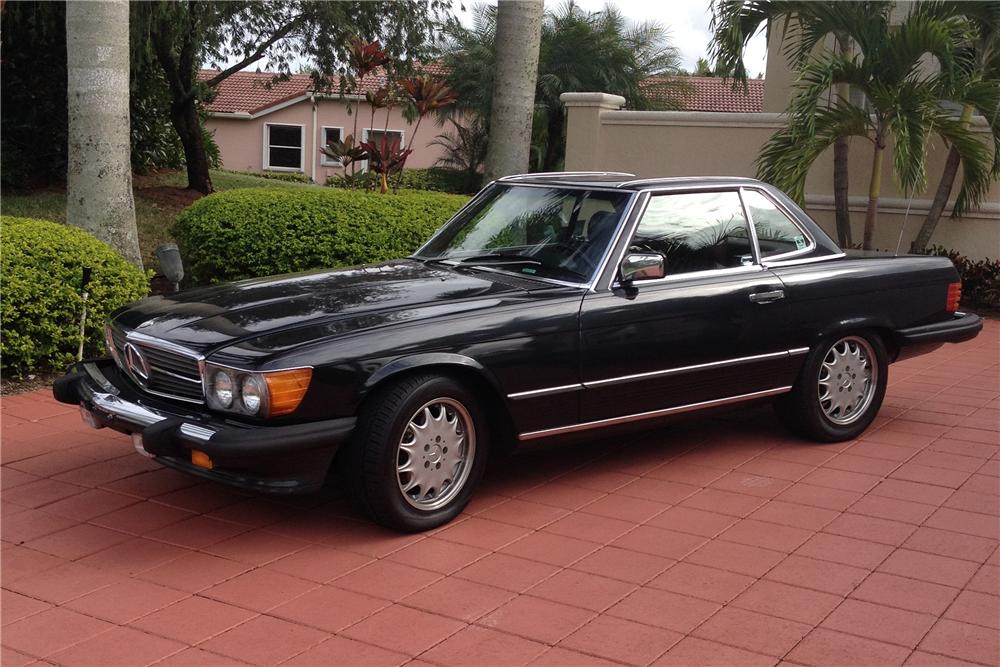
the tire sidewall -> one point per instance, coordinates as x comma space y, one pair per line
405, 515
816, 420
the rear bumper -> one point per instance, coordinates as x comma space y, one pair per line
282, 459
927, 338
962, 327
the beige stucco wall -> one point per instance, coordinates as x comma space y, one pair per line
241, 139
677, 143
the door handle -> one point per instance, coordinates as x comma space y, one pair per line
767, 297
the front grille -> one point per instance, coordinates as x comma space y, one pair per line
172, 374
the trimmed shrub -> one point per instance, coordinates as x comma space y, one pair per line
287, 176
42, 266
435, 179
255, 232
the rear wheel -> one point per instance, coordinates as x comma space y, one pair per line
419, 453
839, 390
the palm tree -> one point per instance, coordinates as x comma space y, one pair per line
579, 51
518, 31
599, 51
99, 172
983, 67
800, 27
902, 103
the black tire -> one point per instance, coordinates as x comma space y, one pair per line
802, 410
377, 450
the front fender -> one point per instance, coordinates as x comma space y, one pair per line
427, 360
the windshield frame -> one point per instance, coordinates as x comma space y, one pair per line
462, 216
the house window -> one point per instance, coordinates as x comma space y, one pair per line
375, 137
330, 135
284, 147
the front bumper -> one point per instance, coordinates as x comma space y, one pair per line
282, 459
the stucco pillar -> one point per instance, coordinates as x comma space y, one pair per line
583, 128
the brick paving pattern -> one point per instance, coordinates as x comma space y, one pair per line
717, 540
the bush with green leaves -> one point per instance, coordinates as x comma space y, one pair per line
436, 179
42, 267
255, 232
980, 277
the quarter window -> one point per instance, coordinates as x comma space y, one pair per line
284, 147
695, 231
776, 234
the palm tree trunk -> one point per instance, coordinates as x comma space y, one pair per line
945, 185
518, 34
874, 191
841, 182
99, 172
841, 185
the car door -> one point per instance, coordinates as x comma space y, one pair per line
713, 329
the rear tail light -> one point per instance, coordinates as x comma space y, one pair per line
954, 296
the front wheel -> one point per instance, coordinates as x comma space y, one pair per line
839, 389
419, 453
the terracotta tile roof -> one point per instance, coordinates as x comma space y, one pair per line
705, 93
251, 92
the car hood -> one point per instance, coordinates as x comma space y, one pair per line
208, 318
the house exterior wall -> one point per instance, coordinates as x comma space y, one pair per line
241, 140
679, 143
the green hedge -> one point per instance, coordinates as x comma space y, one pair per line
42, 265
436, 179
263, 231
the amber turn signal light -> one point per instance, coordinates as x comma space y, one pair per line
954, 296
201, 459
285, 390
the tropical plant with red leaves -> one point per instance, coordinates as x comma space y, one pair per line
426, 95
363, 58
345, 151
385, 158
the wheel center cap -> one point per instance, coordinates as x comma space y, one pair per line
434, 455
845, 382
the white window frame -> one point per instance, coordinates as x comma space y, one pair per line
324, 159
364, 137
266, 158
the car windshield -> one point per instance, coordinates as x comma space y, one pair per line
546, 232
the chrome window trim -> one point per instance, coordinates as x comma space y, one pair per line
623, 228
806, 260
677, 370
639, 416
562, 174
791, 218
735, 188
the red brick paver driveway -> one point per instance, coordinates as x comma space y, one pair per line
718, 540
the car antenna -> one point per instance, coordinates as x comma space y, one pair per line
899, 241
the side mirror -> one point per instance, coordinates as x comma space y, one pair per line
643, 266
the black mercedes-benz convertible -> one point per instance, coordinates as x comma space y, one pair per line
550, 304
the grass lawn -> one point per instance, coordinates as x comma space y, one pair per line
158, 199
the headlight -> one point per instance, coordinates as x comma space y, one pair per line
222, 389
252, 393
264, 394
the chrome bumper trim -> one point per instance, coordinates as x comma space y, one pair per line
133, 413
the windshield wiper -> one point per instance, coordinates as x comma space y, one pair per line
498, 257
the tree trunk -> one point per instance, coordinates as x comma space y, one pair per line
99, 171
874, 191
841, 188
841, 182
185, 120
923, 238
518, 34
554, 147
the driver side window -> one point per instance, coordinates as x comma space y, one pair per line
695, 231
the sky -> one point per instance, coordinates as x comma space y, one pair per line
686, 20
